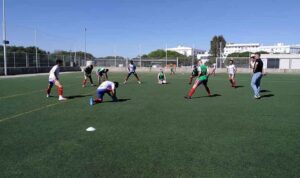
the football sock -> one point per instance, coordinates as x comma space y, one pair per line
208, 91
60, 91
192, 91
49, 90
84, 82
98, 100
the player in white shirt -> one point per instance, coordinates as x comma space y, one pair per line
231, 69
105, 87
131, 70
54, 80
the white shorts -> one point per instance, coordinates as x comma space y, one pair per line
162, 82
52, 80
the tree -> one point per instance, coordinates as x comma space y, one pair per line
160, 54
217, 45
245, 54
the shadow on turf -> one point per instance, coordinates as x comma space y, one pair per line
265, 91
211, 96
119, 100
77, 96
267, 96
239, 86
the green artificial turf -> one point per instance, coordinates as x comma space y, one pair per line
153, 132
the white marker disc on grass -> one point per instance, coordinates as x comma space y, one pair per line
90, 129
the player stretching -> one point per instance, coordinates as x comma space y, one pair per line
195, 73
161, 77
54, 80
202, 79
105, 87
131, 70
231, 69
102, 74
88, 74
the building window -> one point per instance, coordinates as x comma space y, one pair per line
273, 63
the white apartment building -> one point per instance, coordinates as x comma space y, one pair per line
281, 49
255, 47
187, 51
239, 48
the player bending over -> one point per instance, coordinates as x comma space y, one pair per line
105, 87
195, 73
161, 77
131, 70
231, 69
202, 79
54, 80
102, 74
88, 74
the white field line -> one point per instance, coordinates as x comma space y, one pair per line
27, 93
31, 75
37, 109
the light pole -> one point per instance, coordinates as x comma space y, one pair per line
193, 53
4, 39
140, 55
85, 44
166, 55
36, 51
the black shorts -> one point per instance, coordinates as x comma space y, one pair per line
101, 73
87, 74
134, 73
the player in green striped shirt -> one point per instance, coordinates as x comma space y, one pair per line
202, 79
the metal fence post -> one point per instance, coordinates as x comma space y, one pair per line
27, 63
63, 60
48, 56
14, 59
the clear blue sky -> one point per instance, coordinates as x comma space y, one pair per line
124, 25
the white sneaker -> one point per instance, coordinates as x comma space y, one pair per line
83, 86
60, 98
48, 96
139, 82
256, 96
92, 85
124, 82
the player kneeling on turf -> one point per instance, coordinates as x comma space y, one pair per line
107, 87
161, 77
54, 80
88, 74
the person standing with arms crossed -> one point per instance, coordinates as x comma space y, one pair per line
257, 75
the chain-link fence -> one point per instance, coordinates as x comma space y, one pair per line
138, 62
222, 62
22, 59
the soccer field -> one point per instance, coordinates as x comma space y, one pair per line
153, 131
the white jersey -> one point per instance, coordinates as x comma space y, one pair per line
214, 65
231, 69
131, 68
107, 85
54, 73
